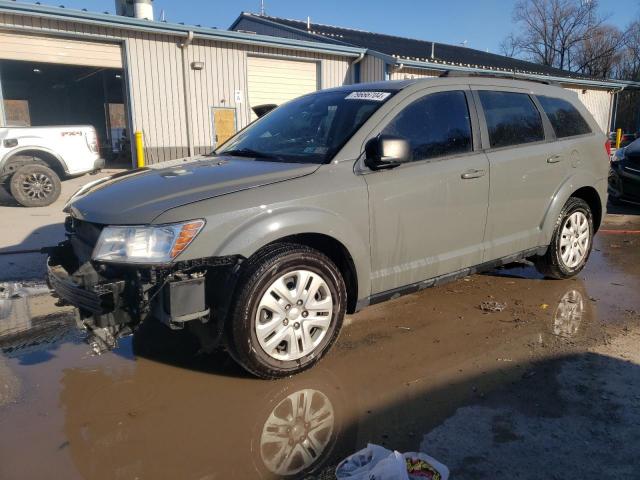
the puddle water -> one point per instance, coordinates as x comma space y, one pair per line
154, 408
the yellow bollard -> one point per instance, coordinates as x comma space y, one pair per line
618, 137
139, 149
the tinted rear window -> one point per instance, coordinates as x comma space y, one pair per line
564, 117
512, 118
436, 125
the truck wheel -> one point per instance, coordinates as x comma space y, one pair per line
35, 186
571, 241
287, 312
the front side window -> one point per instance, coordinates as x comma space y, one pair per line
309, 129
564, 117
512, 118
435, 125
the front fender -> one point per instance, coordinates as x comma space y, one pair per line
269, 227
578, 180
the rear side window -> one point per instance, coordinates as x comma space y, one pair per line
512, 118
435, 125
564, 117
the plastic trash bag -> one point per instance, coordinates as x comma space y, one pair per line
421, 466
373, 463
378, 463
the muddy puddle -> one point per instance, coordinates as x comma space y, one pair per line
154, 408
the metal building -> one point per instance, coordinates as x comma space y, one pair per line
390, 57
186, 88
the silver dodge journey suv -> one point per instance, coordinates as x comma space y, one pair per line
332, 202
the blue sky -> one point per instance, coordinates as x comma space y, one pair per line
482, 23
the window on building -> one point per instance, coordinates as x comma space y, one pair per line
564, 117
512, 118
435, 126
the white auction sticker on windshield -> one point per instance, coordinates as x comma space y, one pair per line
375, 96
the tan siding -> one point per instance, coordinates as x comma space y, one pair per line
598, 102
410, 73
36, 48
156, 84
371, 69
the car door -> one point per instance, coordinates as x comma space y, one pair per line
428, 215
527, 167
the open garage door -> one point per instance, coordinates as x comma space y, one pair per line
275, 80
32, 48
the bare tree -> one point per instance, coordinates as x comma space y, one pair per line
600, 54
629, 65
567, 34
509, 47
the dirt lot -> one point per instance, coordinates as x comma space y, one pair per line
549, 387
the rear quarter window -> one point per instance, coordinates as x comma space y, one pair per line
512, 118
564, 117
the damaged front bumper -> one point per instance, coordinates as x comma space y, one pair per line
113, 300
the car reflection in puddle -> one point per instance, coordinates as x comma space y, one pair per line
297, 432
174, 414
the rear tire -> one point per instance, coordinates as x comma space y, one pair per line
35, 186
287, 311
571, 242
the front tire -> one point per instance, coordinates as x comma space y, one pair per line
571, 242
287, 312
35, 186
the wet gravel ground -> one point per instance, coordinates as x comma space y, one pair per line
546, 386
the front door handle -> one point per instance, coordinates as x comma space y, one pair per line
473, 173
554, 159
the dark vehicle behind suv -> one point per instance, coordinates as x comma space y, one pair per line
624, 177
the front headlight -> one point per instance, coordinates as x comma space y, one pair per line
158, 244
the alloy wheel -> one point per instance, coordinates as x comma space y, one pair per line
37, 185
574, 239
294, 315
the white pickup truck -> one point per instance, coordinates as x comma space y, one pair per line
33, 160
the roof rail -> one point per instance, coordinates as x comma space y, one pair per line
506, 75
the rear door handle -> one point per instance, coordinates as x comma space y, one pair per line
473, 173
554, 159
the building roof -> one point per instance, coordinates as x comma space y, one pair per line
165, 28
405, 50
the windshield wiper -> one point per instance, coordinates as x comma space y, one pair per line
248, 152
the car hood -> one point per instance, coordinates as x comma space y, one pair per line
139, 196
633, 150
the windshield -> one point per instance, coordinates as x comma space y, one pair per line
309, 129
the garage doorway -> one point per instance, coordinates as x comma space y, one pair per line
278, 80
45, 94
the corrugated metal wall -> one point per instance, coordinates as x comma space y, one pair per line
598, 102
154, 66
408, 73
371, 69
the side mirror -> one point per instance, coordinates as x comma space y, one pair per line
386, 151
